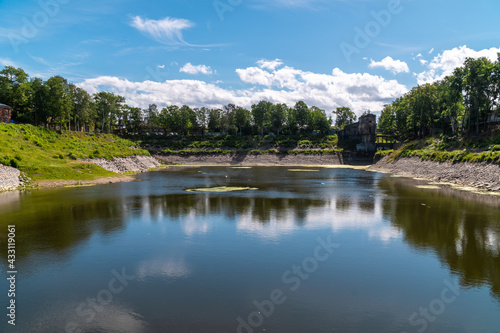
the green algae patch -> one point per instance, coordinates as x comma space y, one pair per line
222, 189
79, 185
429, 187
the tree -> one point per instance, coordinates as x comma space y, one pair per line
319, 121
39, 101
15, 91
387, 120
59, 101
451, 102
214, 120
152, 117
278, 117
108, 106
344, 117
202, 118
133, 119
477, 86
83, 107
260, 113
242, 118
188, 119
228, 118
302, 114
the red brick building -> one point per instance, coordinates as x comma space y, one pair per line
5, 113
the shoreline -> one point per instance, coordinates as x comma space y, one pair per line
481, 178
478, 177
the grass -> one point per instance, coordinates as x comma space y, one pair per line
271, 151
46, 154
231, 142
442, 150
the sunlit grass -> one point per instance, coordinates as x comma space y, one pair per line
48, 154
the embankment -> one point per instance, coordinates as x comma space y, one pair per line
267, 159
481, 175
126, 164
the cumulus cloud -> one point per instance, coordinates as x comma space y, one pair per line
198, 69
444, 63
269, 64
166, 31
359, 91
395, 66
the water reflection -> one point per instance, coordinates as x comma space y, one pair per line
462, 228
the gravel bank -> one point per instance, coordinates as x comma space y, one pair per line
9, 178
484, 176
241, 159
126, 164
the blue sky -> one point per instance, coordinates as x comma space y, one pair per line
355, 53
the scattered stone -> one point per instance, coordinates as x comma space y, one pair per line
482, 175
126, 164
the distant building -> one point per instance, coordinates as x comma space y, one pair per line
5, 113
364, 132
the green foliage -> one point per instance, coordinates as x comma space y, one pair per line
40, 152
461, 105
383, 153
344, 117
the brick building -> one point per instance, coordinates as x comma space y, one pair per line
5, 113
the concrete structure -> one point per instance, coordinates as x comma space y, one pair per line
5, 113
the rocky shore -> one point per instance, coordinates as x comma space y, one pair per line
485, 176
126, 164
10, 178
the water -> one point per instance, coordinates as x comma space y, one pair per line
324, 250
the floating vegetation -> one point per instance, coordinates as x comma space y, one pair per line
80, 185
429, 187
222, 189
303, 170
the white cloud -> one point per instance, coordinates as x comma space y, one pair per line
269, 64
161, 66
445, 63
423, 62
419, 55
166, 31
287, 85
7, 62
395, 66
198, 69
431, 51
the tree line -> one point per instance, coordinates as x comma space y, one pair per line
56, 103
460, 105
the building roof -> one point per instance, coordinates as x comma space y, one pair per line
5, 105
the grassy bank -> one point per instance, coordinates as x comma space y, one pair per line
46, 154
486, 149
232, 145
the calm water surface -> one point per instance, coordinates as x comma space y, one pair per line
325, 250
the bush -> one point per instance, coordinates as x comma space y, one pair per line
14, 163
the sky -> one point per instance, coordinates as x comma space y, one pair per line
356, 53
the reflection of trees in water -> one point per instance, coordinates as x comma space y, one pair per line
462, 228
55, 226
261, 209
